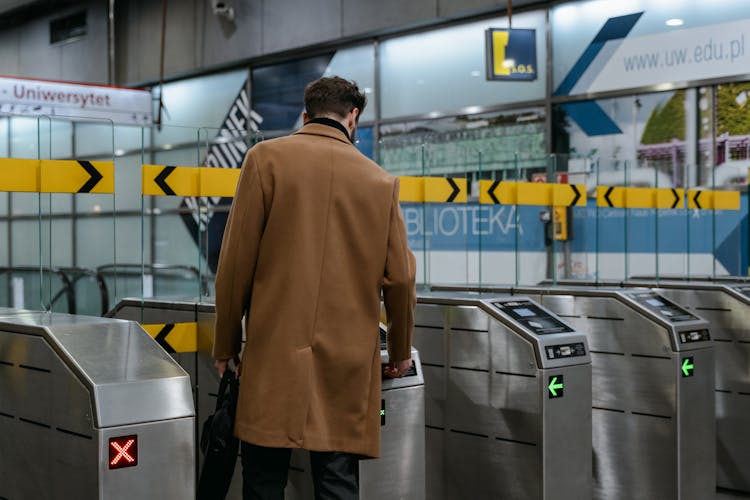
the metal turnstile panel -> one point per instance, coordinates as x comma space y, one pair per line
486, 468
572, 469
727, 309
697, 439
153, 456
495, 405
399, 473
634, 384
493, 429
609, 326
60, 376
633, 456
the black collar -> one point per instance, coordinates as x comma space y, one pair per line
331, 123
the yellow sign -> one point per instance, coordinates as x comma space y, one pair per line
444, 190
713, 200
411, 189
19, 175
219, 181
168, 180
625, 197
77, 176
57, 176
670, 198
432, 189
531, 193
175, 337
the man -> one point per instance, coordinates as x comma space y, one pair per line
314, 235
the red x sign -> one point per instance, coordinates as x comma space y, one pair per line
123, 452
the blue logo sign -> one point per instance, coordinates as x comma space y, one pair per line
511, 54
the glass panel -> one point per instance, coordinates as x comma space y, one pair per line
278, 90
197, 102
403, 157
451, 75
357, 64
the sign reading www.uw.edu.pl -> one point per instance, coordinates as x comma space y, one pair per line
680, 55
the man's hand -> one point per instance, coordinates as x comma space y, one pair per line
221, 366
397, 369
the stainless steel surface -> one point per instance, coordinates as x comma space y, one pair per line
728, 310
491, 429
653, 429
723, 302
165, 467
66, 384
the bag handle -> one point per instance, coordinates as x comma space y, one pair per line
227, 380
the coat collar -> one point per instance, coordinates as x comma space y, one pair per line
323, 130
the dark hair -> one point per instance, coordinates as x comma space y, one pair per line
333, 95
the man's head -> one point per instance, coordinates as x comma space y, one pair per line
336, 98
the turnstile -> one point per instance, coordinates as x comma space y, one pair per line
91, 408
652, 383
400, 471
727, 308
508, 399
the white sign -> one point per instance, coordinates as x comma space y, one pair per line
682, 55
20, 96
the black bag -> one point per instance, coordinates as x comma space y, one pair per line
218, 444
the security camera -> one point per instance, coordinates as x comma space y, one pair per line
223, 9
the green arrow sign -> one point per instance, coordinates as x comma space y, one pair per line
555, 386
687, 367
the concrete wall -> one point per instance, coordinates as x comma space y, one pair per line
199, 40
25, 50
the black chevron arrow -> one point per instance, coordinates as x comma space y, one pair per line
161, 180
606, 196
94, 176
695, 199
161, 338
491, 192
676, 198
578, 194
455, 187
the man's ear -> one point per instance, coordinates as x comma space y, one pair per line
353, 118
305, 118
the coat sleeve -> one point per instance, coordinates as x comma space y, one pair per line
237, 259
399, 290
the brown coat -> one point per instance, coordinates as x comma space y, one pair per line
314, 234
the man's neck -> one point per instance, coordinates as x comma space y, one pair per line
331, 122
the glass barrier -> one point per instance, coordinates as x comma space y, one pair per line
404, 156
218, 148
46, 185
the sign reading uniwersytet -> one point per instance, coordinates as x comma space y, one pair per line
21, 96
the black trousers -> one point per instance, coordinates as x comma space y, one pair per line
265, 470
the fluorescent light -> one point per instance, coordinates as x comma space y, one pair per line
674, 22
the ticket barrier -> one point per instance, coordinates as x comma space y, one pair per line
398, 473
508, 399
726, 306
653, 389
91, 408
